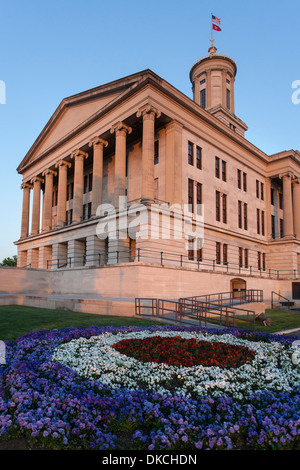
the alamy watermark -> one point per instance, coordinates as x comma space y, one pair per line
296, 353
2, 353
154, 221
2, 92
296, 93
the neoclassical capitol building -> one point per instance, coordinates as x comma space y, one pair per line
116, 154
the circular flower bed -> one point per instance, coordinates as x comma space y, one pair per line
113, 388
267, 366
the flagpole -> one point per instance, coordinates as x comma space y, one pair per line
211, 27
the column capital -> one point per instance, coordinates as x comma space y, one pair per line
37, 179
62, 163
26, 185
148, 109
120, 126
79, 153
48, 171
287, 174
98, 141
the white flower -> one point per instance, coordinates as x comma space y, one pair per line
96, 359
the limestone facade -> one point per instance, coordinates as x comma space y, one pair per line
138, 141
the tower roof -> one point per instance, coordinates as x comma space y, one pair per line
212, 56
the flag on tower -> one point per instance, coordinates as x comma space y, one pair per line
216, 27
215, 19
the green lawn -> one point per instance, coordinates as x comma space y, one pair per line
17, 320
281, 320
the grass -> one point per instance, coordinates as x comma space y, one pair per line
281, 320
17, 320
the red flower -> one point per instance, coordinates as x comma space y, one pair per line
185, 352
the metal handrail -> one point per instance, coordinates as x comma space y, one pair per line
164, 258
279, 295
195, 310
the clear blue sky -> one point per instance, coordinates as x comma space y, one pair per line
51, 50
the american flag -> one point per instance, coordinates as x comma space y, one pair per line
215, 19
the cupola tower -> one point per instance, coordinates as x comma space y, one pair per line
213, 80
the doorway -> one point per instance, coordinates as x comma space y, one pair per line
238, 288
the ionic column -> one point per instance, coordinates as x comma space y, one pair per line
47, 205
98, 144
296, 201
62, 166
288, 222
148, 113
78, 156
36, 205
25, 209
121, 130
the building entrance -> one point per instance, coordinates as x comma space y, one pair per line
238, 288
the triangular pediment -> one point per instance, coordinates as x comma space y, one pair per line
77, 111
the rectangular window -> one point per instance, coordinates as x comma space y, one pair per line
258, 220
199, 157
273, 226
272, 196
218, 211
200, 254
191, 153
240, 214
203, 98
245, 182
69, 216
264, 261
245, 216
240, 257
246, 257
191, 195
228, 98
217, 167
54, 197
223, 170
218, 253
224, 208
281, 228
257, 188
70, 189
156, 152
239, 179
88, 183
280, 201
262, 191
259, 260
191, 249
262, 222
225, 253
132, 249
87, 210
199, 193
